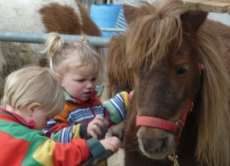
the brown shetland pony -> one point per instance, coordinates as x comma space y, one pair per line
178, 64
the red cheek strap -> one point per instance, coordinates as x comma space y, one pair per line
201, 66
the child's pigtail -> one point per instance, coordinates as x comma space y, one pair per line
54, 45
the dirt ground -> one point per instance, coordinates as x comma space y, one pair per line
117, 159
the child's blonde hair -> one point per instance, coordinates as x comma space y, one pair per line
61, 56
34, 84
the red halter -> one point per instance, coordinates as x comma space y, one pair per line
163, 124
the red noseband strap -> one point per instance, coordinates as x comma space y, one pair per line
163, 124
157, 123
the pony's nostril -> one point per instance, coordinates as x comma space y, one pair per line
154, 145
162, 144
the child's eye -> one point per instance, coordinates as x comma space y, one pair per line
94, 79
79, 80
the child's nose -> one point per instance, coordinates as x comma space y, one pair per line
89, 84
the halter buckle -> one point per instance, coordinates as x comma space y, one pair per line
173, 157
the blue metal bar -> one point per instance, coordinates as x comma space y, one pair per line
27, 37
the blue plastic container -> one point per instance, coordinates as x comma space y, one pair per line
105, 16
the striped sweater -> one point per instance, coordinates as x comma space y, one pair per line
77, 114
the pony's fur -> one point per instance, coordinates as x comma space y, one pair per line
121, 78
42, 16
152, 33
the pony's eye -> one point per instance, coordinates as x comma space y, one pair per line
181, 70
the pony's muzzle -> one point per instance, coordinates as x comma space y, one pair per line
155, 143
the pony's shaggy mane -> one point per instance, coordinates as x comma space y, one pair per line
214, 122
165, 26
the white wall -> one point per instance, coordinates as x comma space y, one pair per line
222, 17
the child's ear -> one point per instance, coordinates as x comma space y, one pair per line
31, 107
60, 78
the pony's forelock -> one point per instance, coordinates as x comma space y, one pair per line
152, 36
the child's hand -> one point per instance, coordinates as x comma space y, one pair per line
130, 95
97, 127
111, 143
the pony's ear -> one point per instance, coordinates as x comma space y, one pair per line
130, 13
194, 19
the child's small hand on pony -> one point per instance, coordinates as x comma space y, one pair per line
98, 127
111, 143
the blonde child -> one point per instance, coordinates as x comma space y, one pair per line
32, 95
77, 65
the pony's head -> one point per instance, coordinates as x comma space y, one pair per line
175, 59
